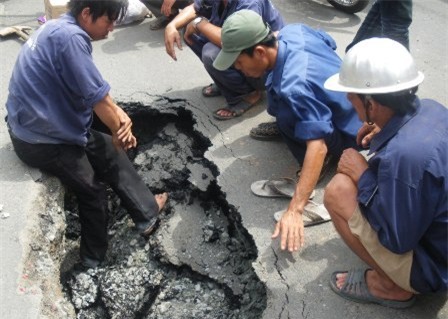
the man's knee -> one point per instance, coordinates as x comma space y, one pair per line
340, 186
209, 54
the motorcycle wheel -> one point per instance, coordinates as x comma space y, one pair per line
349, 6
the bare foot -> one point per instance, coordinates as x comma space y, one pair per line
161, 200
379, 286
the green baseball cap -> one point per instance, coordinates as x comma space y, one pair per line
241, 30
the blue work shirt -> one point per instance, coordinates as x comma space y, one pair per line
304, 109
216, 14
55, 85
403, 193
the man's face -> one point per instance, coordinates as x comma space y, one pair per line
358, 105
251, 66
100, 28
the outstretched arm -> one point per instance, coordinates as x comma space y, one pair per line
290, 227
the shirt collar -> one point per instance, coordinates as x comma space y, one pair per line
392, 127
277, 72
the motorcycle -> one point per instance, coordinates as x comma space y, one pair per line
349, 6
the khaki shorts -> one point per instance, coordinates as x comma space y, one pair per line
397, 267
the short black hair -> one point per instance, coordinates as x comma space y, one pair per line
401, 102
269, 41
115, 9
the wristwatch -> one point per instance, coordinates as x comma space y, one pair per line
198, 20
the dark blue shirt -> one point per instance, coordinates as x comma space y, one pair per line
217, 14
403, 193
55, 85
296, 96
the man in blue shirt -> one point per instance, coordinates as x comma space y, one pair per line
203, 21
313, 121
394, 212
54, 89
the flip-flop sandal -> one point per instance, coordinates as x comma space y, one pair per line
313, 214
355, 289
281, 187
236, 110
211, 90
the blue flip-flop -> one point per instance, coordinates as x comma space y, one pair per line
355, 289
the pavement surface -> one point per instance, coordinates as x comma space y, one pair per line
134, 61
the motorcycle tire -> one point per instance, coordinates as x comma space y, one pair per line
349, 6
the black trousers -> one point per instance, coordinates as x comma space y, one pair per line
386, 19
86, 171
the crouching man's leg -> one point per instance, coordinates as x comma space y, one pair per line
389, 277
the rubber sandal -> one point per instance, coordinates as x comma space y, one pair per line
313, 214
265, 132
281, 187
236, 110
211, 90
355, 289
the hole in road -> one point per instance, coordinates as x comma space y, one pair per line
198, 264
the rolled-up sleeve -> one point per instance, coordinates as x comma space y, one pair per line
313, 118
80, 74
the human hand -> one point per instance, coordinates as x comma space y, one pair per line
124, 134
166, 7
365, 134
129, 142
172, 36
352, 164
189, 31
290, 227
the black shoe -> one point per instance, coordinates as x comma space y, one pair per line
151, 228
159, 23
87, 263
265, 132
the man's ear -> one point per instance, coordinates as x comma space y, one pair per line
260, 51
85, 14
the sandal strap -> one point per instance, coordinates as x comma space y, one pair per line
355, 283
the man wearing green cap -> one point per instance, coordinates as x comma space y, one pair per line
313, 122
203, 21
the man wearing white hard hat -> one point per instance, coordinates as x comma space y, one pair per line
394, 212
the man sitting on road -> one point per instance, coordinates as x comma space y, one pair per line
203, 21
394, 212
54, 90
313, 121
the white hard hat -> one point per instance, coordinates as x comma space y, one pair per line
376, 66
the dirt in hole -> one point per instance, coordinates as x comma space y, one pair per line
198, 264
